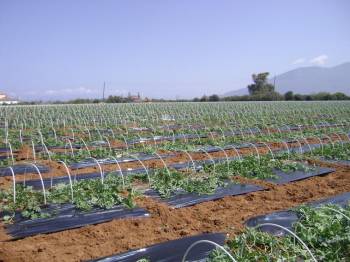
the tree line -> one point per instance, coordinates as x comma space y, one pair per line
262, 90
259, 90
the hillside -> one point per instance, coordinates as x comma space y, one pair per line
308, 80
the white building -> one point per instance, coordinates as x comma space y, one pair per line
6, 100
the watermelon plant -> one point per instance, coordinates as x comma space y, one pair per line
325, 231
84, 194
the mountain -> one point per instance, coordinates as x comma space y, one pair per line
308, 80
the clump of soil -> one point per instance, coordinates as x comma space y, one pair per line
25, 153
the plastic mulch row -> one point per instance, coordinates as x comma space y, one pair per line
178, 126
302, 149
165, 138
341, 162
190, 136
282, 177
286, 218
22, 169
170, 251
4, 149
183, 199
140, 156
227, 134
68, 217
48, 182
211, 149
183, 136
187, 199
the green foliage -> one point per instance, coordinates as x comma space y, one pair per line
288, 96
88, 193
321, 96
143, 260
214, 98
5, 162
28, 201
253, 245
80, 155
336, 152
256, 168
325, 232
176, 182
260, 86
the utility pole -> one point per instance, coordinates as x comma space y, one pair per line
103, 93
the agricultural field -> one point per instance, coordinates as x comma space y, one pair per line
242, 181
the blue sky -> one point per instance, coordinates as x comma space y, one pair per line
162, 48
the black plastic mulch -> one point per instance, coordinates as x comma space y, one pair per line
170, 251
244, 131
339, 162
4, 149
140, 156
284, 178
184, 199
286, 218
68, 217
48, 182
22, 169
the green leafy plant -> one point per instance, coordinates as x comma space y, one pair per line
333, 152
326, 232
176, 182
87, 194
256, 168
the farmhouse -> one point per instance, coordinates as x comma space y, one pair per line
135, 99
6, 100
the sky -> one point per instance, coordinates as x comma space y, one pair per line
66, 49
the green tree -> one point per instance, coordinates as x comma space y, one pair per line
214, 98
288, 96
260, 86
308, 98
267, 96
203, 99
196, 99
322, 96
115, 99
298, 97
339, 96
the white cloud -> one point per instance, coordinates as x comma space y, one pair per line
298, 61
79, 90
319, 60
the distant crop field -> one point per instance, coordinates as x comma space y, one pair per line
88, 181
